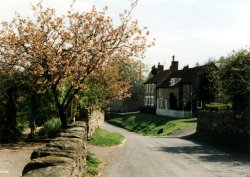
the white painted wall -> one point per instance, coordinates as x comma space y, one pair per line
173, 113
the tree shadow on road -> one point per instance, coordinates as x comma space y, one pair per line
208, 154
21, 145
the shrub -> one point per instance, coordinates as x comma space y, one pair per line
218, 106
8, 135
50, 128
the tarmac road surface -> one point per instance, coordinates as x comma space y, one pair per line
143, 156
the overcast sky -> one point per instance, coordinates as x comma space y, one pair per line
192, 30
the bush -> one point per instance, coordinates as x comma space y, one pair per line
8, 135
218, 106
50, 128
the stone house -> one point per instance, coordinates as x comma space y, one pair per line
150, 94
174, 92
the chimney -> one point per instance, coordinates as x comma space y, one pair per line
174, 64
160, 67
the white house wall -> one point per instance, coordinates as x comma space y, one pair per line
173, 113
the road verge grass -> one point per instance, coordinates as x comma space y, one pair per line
92, 165
150, 124
105, 138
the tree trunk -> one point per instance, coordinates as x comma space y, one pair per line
32, 117
63, 117
11, 110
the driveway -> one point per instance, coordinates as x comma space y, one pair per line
143, 156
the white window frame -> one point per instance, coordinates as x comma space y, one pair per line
199, 104
152, 100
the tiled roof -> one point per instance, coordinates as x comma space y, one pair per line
159, 77
187, 76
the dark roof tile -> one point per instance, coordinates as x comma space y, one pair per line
187, 76
159, 77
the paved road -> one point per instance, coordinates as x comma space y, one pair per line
171, 157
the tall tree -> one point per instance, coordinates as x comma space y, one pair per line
235, 77
64, 53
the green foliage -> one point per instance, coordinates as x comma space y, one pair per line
218, 106
103, 137
50, 128
94, 95
92, 164
8, 135
208, 83
149, 124
235, 78
133, 72
154, 70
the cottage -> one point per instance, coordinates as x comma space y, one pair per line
150, 96
177, 93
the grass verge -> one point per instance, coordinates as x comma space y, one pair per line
103, 137
92, 165
150, 124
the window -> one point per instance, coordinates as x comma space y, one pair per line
152, 101
199, 104
147, 101
174, 81
150, 88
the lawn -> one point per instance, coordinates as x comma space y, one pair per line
150, 124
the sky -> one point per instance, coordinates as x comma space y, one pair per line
192, 30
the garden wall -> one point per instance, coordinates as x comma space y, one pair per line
96, 120
226, 128
173, 113
64, 156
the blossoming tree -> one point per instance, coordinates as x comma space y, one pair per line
65, 53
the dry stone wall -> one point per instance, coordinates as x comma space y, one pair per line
96, 120
224, 122
64, 156
227, 128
